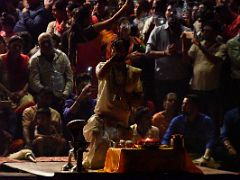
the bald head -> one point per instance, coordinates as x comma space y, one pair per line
44, 35
45, 42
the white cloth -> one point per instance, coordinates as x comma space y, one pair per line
111, 115
107, 105
100, 136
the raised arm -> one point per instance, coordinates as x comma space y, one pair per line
109, 22
85, 93
101, 70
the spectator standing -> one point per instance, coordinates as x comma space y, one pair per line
34, 20
171, 71
60, 25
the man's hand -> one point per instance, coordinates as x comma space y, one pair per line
135, 56
232, 151
86, 92
196, 42
171, 49
183, 36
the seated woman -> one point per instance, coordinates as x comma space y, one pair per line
14, 75
47, 140
143, 128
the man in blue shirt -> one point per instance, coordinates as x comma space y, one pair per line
79, 105
230, 138
197, 129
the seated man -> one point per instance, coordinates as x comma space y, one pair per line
197, 129
50, 67
230, 139
162, 119
80, 105
44, 100
118, 85
143, 128
47, 140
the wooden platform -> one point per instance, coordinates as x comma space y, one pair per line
52, 170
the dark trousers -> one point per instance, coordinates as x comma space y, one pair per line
162, 87
235, 92
228, 162
211, 105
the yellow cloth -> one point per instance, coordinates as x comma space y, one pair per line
107, 105
148, 160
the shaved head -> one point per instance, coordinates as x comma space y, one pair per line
44, 35
45, 42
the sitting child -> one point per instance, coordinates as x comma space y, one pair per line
48, 140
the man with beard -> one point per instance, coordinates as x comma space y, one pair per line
197, 129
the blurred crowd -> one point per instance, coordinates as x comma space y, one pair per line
132, 69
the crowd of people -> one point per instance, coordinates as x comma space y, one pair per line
132, 69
